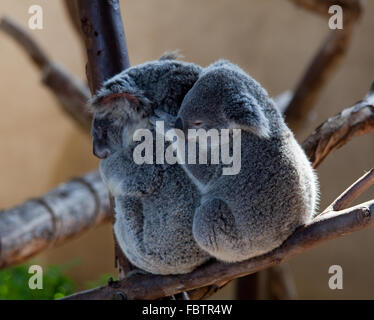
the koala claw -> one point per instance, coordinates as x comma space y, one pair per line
136, 272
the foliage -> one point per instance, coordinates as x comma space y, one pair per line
14, 284
56, 284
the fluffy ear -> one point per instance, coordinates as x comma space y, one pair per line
247, 114
118, 92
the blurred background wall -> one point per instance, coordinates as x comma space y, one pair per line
272, 40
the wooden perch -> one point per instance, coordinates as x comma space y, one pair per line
71, 93
61, 214
324, 62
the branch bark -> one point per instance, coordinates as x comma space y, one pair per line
60, 215
339, 129
105, 40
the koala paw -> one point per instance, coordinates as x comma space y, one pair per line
215, 231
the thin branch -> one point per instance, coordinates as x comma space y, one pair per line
316, 75
352, 192
339, 129
325, 61
63, 213
329, 226
71, 93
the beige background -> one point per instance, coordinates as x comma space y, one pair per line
272, 40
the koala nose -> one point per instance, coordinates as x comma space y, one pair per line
100, 152
178, 124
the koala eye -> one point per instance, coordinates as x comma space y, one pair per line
197, 123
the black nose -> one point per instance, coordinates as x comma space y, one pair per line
178, 124
101, 153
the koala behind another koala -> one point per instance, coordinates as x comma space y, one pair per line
154, 203
276, 190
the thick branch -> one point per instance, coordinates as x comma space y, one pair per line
324, 228
61, 214
105, 40
70, 92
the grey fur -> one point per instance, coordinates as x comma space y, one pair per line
276, 190
154, 204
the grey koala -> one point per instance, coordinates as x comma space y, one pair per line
276, 190
154, 203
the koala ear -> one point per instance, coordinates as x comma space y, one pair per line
114, 94
111, 97
249, 116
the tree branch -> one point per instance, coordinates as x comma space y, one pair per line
339, 129
352, 193
61, 214
70, 92
325, 61
105, 40
329, 226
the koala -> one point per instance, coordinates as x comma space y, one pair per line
276, 190
154, 203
